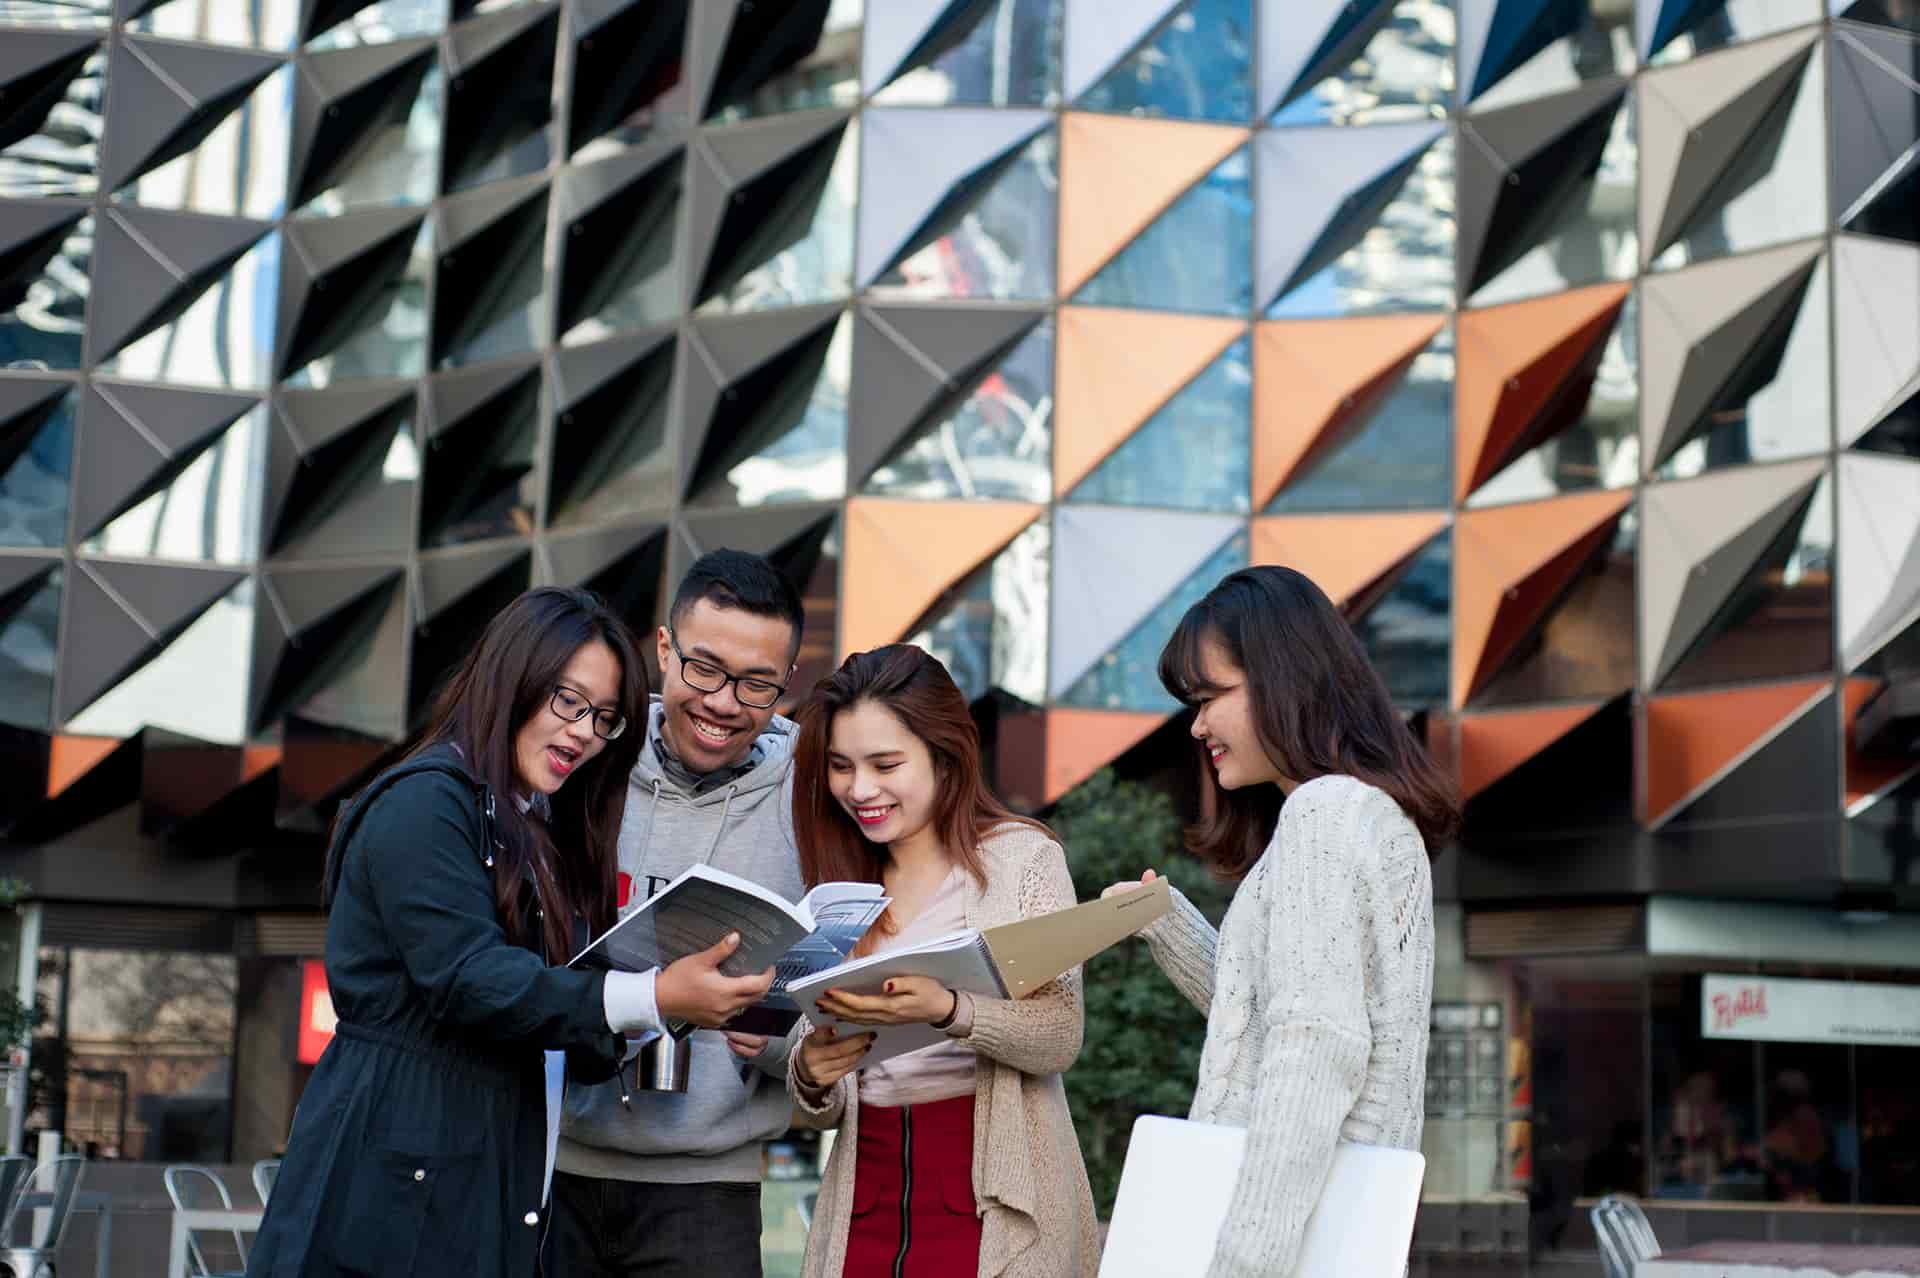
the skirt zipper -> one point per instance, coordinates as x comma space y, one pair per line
906, 1191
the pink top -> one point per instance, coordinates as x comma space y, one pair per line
945, 1070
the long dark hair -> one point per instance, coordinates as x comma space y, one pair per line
919, 692
1318, 705
507, 679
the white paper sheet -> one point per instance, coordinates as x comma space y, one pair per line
556, 1097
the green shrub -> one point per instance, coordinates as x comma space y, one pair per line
1143, 1038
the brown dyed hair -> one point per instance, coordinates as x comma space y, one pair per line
917, 690
1318, 705
506, 679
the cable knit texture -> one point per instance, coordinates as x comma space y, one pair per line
1317, 991
1029, 1183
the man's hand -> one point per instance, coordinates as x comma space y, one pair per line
906, 1000
746, 1046
696, 990
826, 1058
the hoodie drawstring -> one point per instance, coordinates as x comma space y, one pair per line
720, 830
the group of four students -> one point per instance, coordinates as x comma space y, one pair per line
550, 790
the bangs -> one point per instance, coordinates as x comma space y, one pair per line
1182, 667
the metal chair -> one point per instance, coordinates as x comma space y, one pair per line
264, 1173
184, 1183
44, 1196
1625, 1235
804, 1209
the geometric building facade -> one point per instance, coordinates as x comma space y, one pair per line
1571, 345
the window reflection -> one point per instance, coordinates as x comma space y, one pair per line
1514, 62
238, 170
791, 57
1584, 648
172, 691
387, 339
1197, 66
209, 513
1406, 626
1196, 257
398, 162
257, 24
224, 338
79, 15
803, 251
43, 315
997, 243
785, 453
1193, 453
989, 53
1685, 31
383, 23
991, 630
997, 442
29, 634
1127, 678
36, 468
62, 155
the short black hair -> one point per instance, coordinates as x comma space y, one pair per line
740, 579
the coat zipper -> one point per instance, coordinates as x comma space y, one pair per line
906, 1191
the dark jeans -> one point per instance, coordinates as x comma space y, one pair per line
628, 1229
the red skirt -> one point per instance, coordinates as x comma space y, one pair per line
913, 1209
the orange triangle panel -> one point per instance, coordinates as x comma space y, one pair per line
903, 555
1081, 742
1344, 554
1113, 369
1509, 565
1514, 361
73, 757
1492, 745
255, 760
1118, 173
1693, 738
1312, 377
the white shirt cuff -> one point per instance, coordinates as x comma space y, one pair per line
630, 1005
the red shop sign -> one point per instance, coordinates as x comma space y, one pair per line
316, 1012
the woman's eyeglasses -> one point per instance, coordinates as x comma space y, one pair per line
704, 676
571, 706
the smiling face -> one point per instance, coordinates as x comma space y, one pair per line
1223, 720
548, 749
881, 774
708, 731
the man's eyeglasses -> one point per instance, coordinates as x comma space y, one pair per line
571, 706
704, 676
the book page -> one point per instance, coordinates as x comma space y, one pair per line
842, 913
693, 913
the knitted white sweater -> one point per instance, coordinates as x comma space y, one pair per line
1317, 990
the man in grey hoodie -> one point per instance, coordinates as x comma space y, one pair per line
661, 1184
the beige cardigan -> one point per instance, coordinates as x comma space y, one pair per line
1029, 1183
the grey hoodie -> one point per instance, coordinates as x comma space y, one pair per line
714, 1131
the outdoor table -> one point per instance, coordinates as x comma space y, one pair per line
1782, 1260
185, 1222
85, 1200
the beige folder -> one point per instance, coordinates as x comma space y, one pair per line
1033, 951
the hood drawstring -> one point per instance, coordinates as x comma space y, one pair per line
720, 830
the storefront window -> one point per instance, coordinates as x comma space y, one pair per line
136, 1060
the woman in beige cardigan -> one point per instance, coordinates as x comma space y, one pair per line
959, 1159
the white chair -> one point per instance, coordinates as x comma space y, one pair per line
264, 1173
187, 1186
1625, 1235
43, 1198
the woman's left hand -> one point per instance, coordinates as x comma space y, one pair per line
906, 1000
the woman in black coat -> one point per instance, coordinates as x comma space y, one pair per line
458, 881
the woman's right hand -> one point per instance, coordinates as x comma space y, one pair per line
1129, 885
826, 1056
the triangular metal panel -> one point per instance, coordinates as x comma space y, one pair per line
503, 227
1099, 33
132, 439
20, 574
1111, 567
26, 403
1698, 326
924, 155
343, 98
893, 31
1694, 119
31, 235
122, 614
499, 85
578, 558
618, 217
324, 443
1876, 109
908, 360
1521, 168
610, 408
736, 175
1498, 37
1879, 574
1876, 331
167, 97
35, 69
760, 531
1318, 190
1699, 537
720, 353
446, 577
335, 275
159, 263
473, 40
625, 54
1750, 754
1304, 41
310, 615
454, 396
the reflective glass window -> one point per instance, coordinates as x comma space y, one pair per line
1193, 453
61, 156
1197, 66
209, 512
803, 252
36, 469
1530, 51
45, 326
997, 242
996, 53
172, 691
1404, 71
256, 24
1685, 28
991, 630
224, 337
29, 637
1407, 634
1195, 257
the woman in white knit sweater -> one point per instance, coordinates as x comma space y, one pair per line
1318, 986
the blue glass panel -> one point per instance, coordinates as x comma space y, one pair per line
1194, 453
1400, 459
1127, 678
991, 630
993, 240
975, 58
1408, 633
35, 489
996, 443
46, 326
1538, 47
62, 155
29, 635
1404, 72
1197, 256
1197, 66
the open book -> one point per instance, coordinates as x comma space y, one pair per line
1009, 961
702, 905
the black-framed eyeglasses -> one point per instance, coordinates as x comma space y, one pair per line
608, 723
704, 676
